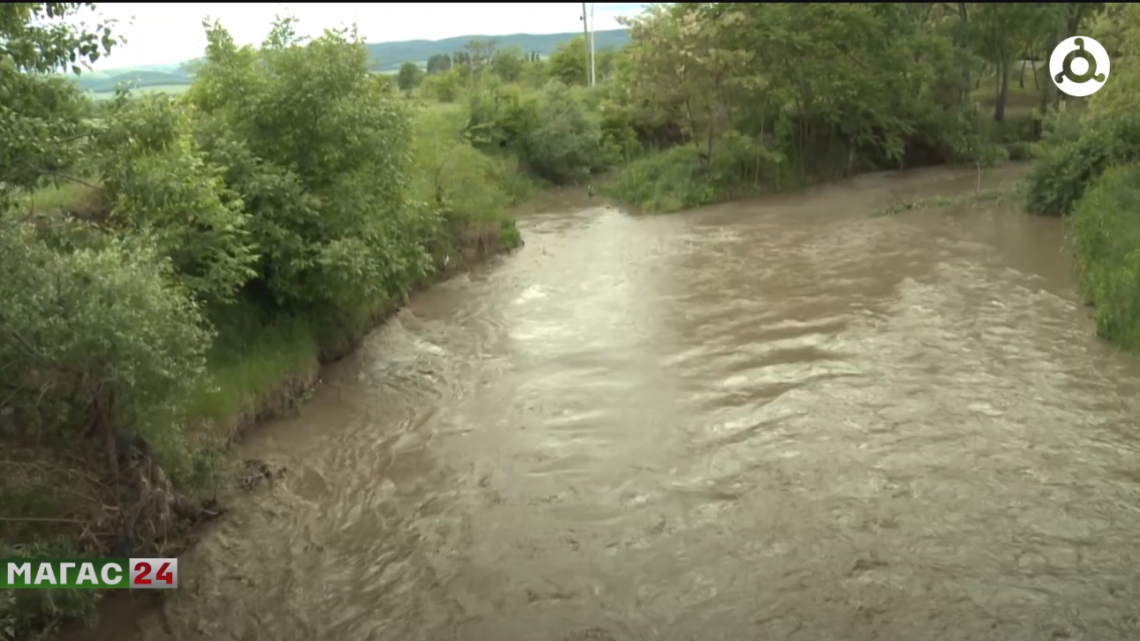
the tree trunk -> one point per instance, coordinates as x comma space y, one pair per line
965, 26
1021, 77
1047, 91
1061, 31
1074, 23
1033, 68
1002, 92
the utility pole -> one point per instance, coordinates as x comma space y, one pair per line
593, 53
589, 53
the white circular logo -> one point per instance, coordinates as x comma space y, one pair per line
1079, 66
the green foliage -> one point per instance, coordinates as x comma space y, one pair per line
552, 132
255, 352
566, 142
42, 116
1086, 166
1106, 241
67, 361
568, 62
326, 195
34, 615
795, 93
409, 77
1077, 147
1067, 162
460, 181
677, 178
443, 86
501, 116
438, 63
508, 64
160, 182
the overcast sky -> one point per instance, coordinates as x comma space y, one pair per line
161, 33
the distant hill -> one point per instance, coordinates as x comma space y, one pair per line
387, 55
135, 78
390, 55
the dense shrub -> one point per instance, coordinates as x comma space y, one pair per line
1073, 152
1106, 240
69, 363
566, 144
322, 169
159, 181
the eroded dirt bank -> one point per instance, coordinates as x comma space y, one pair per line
783, 419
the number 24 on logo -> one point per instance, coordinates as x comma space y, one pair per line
165, 573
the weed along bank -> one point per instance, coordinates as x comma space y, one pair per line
185, 248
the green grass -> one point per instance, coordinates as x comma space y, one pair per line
1106, 235
56, 198
250, 359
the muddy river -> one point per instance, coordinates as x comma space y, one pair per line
780, 419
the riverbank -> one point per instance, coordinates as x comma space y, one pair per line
256, 359
682, 178
289, 394
292, 383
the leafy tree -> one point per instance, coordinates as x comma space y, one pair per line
508, 64
566, 143
1001, 34
159, 180
409, 77
480, 53
322, 171
568, 62
41, 115
438, 63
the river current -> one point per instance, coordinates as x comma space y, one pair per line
784, 419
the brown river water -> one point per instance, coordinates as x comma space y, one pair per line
769, 420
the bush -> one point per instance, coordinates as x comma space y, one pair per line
566, 144
680, 178
68, 365
1106, 242
500, 117
443, 87
449, 172
1074, 150
325, 195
